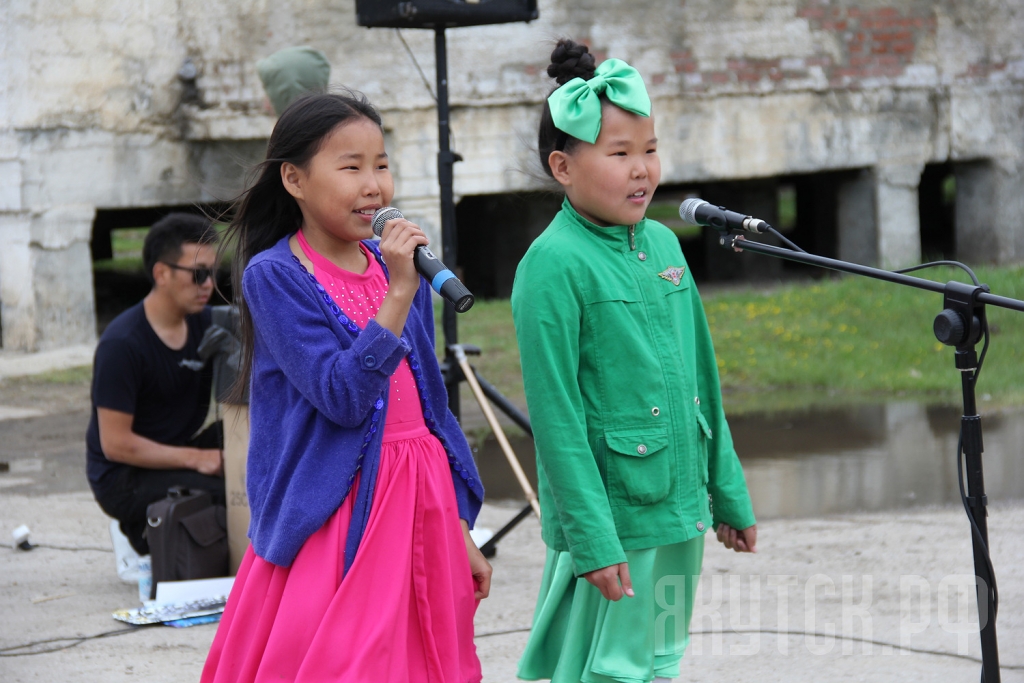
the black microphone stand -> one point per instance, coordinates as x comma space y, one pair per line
450, 368
961, 324
446, 159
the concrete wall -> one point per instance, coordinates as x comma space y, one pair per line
91, 115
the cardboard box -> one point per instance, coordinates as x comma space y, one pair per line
236, 449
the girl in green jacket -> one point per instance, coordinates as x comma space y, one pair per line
634, 457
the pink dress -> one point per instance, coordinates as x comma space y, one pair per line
404, 612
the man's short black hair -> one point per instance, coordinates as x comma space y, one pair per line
164, 239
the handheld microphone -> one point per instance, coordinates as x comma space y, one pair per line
429, 266
699, 212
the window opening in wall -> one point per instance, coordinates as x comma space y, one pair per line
787, 208
493, 232
936, 199
119, 278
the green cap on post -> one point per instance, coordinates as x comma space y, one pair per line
290, 72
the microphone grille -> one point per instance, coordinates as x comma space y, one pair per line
382, 216
688, 210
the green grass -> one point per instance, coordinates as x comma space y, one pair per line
846, 339
75, 375
667, 213
860, 336
68, 376
489, 325
127, 246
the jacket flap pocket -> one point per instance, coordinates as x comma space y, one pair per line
206, 526
703, 424
637, 442
605, 290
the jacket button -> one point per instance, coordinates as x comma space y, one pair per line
696, 399
700, 526
642, 256
370, 361
655, 411
641, 449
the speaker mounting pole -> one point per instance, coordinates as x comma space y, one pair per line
445, 177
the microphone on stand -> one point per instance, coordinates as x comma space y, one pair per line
699, 212
429, 266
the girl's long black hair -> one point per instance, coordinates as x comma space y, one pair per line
264, 212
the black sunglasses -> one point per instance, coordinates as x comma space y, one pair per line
199, 275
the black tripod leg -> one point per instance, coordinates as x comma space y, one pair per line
504, 405
491, 546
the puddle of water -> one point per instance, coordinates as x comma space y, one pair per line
802, 463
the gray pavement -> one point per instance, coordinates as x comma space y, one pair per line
894, 579
886, 580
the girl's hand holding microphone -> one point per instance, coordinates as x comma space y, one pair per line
398, 242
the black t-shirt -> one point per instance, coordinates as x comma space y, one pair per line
167, 391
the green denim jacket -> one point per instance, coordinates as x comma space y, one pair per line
622, 387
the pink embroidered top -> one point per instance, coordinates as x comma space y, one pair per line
360, 296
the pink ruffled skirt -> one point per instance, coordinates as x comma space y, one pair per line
404, 613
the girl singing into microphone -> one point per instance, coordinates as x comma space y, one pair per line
361, 485
635, 460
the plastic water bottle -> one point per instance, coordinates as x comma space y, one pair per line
145, 577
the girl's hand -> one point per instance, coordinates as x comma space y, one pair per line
613, 581
742, 541
478, 565
398, 241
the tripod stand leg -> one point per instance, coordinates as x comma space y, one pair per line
490, 547
499, 433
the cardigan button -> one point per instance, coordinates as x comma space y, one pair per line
370, 361
641, 449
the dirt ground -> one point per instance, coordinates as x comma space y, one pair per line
863, 597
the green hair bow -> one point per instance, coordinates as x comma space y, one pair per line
576, 105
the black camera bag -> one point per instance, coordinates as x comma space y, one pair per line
188, 537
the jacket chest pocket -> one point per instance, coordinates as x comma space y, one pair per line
637, 465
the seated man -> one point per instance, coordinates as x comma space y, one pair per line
150, 390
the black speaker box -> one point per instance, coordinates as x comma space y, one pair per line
442, 13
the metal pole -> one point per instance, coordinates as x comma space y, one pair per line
732, 241
977, 501
445, 178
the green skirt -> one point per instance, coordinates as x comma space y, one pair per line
578, 636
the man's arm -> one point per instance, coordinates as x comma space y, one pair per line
121, 444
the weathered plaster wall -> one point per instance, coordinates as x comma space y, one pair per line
91, 112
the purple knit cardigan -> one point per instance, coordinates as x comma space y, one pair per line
318, 397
